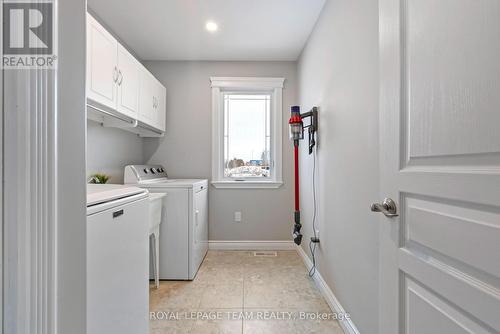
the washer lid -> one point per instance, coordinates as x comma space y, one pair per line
103, 193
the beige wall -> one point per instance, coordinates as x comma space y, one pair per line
338, 71
185, 151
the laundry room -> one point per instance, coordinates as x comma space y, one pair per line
250, 167
219, 208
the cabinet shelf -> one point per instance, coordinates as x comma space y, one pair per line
113, 119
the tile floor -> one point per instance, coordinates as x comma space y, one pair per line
236, 292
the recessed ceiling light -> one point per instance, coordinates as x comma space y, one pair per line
211, 26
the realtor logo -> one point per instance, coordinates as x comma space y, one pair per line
28, 35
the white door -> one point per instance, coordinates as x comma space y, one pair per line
128, 83
102, 69
440, 162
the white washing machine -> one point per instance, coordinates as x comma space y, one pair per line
184, 228
117, 259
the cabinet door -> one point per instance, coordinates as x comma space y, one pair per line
101, 64
146, 98
161, 97
128, 83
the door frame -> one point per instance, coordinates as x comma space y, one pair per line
1, 181
71, 167
389, 104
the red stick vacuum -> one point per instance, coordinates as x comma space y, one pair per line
296, 134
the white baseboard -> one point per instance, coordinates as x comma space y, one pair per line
346, 324
250, 245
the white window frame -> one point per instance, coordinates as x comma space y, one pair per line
273, 86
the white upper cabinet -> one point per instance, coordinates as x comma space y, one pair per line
102, 68
128, 83
118, 85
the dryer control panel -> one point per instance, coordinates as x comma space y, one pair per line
140, 173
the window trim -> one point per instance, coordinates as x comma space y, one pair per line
222, 85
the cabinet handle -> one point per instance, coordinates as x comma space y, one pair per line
115, 74
117, 213
120, 77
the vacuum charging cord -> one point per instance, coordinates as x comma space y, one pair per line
314, 239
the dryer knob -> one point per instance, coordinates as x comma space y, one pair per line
145, 170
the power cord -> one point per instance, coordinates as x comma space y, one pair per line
314, 240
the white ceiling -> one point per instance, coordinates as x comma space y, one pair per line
175, 29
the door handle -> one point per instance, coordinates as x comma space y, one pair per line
388, 208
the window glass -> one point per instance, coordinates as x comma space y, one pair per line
247, 135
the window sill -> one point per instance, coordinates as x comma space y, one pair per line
247, 184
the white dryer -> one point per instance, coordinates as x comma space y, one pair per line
184, 228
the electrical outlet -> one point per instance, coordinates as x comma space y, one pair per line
315, 237
237, 216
